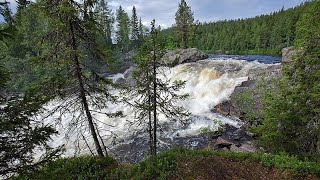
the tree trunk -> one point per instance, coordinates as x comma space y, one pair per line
150, 116
83, 95
154, 96
318, 145
185, 38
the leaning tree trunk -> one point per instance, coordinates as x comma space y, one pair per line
83, 97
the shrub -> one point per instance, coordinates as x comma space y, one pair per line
85, 167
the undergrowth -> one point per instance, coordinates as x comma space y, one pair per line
162, 166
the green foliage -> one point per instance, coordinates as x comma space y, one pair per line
123, 30
141, 31
6, 33
162, 166
4, 77
291, 104
156, 95
157, 167
246, 102
134, 25
85, 167
291, 163
19, 51
184, 21
21, 135
105, 20
264, 34
169, 161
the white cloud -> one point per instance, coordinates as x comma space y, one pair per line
204, 10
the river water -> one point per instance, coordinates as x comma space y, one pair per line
208, 83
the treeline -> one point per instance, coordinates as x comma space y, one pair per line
288, 121
265, 34
59, 51
115, 33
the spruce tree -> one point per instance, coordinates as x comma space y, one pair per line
141, 31
154, 95
21, 134
134, 27
292, 105
69, 80
105, 19
122, 33
184, 20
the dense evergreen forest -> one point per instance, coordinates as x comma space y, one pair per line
62, 53
264, 34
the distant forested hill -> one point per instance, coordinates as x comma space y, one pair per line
265, 34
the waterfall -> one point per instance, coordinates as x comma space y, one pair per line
208, 83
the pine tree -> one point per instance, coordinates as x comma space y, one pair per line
184, 20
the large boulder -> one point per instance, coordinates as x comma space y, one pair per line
289, 53
227, 108
180, 56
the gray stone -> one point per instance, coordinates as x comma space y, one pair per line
248, 147
288, 54
234, 148
221, 143
128, 72
180, 56
227, 108
225, 149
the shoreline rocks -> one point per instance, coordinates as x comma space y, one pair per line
232, 139
181, 56
289, 53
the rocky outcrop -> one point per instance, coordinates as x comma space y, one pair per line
127, 79
180, 56
231, 107
289, 53
232, 139
227, 108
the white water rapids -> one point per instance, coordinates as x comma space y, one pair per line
208, 83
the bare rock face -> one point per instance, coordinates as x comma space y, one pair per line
180, 56
227, 108
231, 106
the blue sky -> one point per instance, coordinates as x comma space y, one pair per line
204, 10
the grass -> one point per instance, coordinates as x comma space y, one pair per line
180, 163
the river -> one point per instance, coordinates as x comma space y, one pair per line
208, 83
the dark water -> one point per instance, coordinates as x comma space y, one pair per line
259, 58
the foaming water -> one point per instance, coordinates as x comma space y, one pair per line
208, 83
